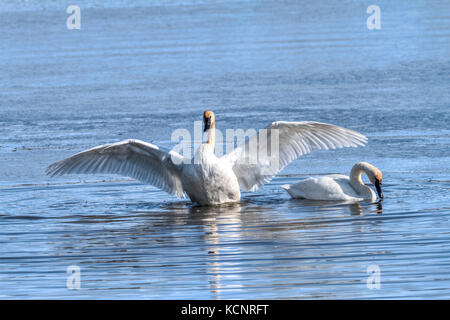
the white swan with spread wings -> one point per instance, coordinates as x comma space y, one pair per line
211, 180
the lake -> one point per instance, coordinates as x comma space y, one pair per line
141, 69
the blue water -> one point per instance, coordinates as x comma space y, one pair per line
140, 69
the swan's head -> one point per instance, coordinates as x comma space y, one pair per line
378, 182
375, 176
208, 120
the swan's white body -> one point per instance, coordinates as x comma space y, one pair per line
209, 179
337, 186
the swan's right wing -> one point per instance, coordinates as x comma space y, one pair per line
132, 158
263, 155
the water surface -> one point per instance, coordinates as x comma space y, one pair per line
141, 70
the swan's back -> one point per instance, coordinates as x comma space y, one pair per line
332, 187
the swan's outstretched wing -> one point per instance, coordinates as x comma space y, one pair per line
132, 158
294, 140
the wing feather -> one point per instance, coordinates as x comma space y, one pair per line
294, 140
132, 158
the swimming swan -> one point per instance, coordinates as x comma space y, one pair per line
340, 187
209, 179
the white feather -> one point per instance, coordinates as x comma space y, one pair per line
132, 158
295, 139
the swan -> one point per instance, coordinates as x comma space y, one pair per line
209, 179
340, 187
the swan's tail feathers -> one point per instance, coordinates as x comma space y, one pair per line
293, 191
287, 187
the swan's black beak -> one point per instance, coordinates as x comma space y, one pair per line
378, 187
207, 122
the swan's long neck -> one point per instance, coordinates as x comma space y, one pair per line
357, 183
211, 136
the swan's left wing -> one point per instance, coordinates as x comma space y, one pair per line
264, 154
132, 158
